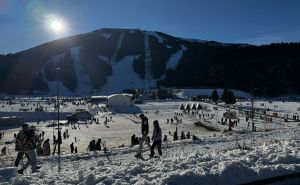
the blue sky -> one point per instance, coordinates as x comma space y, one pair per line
24, 23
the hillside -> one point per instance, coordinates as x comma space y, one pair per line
117, 59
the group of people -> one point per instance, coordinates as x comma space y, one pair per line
182, 137
73, 149
134, 140
97, 146
156, 137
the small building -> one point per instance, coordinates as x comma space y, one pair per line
120, 100
97, 99
194, 106
81, 115
162, 93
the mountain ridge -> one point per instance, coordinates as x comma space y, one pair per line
152, 59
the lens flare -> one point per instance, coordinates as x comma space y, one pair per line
56, 24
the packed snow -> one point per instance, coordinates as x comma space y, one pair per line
149, 82
53, 84
156, 35
175, 58
105, 35
217, 157
83, 80
118, 46
123, 75
105, 58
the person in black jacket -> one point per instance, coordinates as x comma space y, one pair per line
30, 143
98, 145
145, 131
175, 135
20, 139
72, 147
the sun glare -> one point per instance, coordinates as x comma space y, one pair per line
56, 24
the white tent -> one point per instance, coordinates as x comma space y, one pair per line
187, 107
120, 100
199, 106
181, 107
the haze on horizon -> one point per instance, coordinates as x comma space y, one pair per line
27, 23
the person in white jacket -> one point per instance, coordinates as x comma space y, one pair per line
156, 137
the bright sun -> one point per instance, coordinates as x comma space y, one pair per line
57, 26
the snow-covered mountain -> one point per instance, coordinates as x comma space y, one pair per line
117, 59
105, 59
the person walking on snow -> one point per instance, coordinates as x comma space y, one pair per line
156, 137
19, 147
30, 144
72, 147
145, 131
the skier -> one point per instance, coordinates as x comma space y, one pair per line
156, 137
144, 138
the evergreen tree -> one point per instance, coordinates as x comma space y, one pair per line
230, 98
224, 94
215, 96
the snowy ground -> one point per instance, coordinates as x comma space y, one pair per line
215, 159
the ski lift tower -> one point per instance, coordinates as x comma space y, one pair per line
252, 109
57, 100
